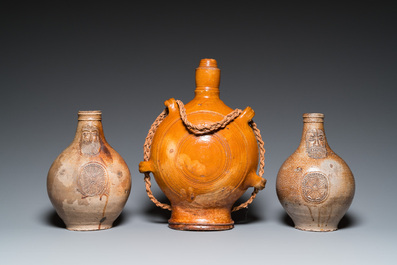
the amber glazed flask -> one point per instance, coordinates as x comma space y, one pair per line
89, 182
203, 156
314, 185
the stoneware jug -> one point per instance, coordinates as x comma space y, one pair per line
203, 156
314, 185
89, 182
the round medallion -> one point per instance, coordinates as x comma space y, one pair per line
92, 180
315, 187
203, 159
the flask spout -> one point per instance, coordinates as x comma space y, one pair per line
208, 75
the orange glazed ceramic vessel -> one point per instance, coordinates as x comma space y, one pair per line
204, 175
89, 182
314, 185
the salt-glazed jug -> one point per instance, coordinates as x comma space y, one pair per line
204, 156
89, 182
314, 185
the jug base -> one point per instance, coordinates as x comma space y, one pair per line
319, 229
88, 227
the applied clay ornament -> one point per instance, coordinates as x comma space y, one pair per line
204, 156
314, 185
89, 183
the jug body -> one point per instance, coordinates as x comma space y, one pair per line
89, 182
314, 185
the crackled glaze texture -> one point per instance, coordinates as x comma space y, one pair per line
314, 185
203, 175
89, 183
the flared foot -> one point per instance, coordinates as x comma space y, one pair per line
200, 227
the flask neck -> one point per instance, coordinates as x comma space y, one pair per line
313, 141
207, 92
207, 79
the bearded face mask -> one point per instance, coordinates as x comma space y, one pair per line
315, 144
89, 143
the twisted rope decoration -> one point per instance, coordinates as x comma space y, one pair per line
206, 128
146, 156
200, 130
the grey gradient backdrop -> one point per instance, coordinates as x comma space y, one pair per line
282, 59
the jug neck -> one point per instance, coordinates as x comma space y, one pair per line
89, 132
207, 79
313, 141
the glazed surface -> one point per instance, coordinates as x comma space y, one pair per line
203, 175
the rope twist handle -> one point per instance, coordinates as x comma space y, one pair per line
200, 130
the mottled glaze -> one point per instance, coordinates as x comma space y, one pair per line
314, 185
89, 182
203, 175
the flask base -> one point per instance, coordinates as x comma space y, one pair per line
200, 227
200, 219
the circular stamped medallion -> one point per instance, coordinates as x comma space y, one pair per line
315, 187
203, 159
92, 180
